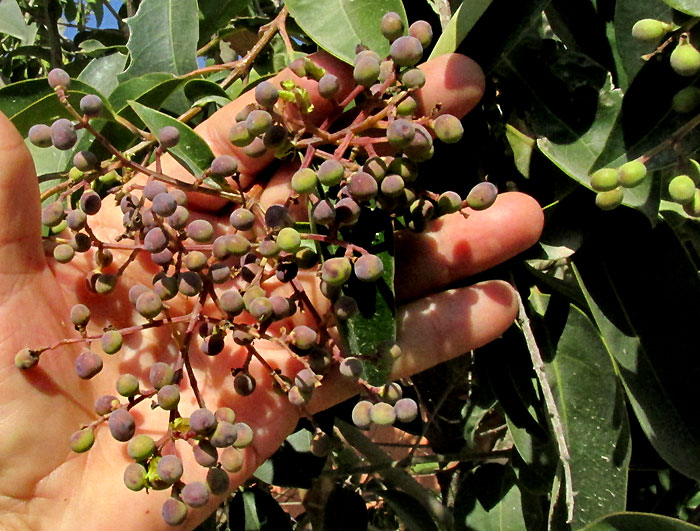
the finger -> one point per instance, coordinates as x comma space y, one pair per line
453, 247
20, 209
434, 329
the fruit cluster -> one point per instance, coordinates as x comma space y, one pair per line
354, 180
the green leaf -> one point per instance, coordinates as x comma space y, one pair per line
149, 89
462, 21
522, 146
639, 522
489, 500
341, 24
254, 509
590, 401
12, 22
163, 38
409, 510
649, 328
102, 72
629, 49
375, 324
32, 101
216, 14
192, 151
197, 89
689, 7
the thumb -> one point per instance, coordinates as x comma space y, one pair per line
20, 209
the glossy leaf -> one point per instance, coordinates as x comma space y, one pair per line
343, 24
590, 401
163, 38
102, 72
639, 522
462, 21
12, 22
689, 7
649, 328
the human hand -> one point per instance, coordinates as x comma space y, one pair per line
45, 485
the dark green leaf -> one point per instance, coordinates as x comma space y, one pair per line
590, 401
409, 510
12, 22
462, 21
639, 522
102, 72
689, 7
216, 14
255, 510
342, 25
150, 89
196, 89
649, 327
163, 38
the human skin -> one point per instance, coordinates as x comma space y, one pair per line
43, 485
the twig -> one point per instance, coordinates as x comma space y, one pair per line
553, 416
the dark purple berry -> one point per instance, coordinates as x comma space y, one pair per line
174, 512
85, 160
164, 204
224, 165
195, 494
217, 481
153, 188
244, 384
205, 453
121, 425
169, 468
105, 404
266, 94
90, 202
63, 135
189, 284
362, 186
200, 230
58, 78
202, 421
224, 434
169, 136
40, 135
156, 240
160, 375
91, 105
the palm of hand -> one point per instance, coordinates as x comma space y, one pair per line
45, 482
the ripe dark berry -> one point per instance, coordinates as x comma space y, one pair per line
153, 188
362, 186
266, 94
63, 135
174, 512
40, 135
169, 468
275, 136
52, 214
178, 219
213, 345
189, 284
345, 307
369, 268
406, 51
169, 136
278, 217
323, 212
91, 105
156, 240
224, 434
224, 165
164, 204
80, 315
90, 202
121, 425
58, 78
105, 283
217, 481
202, 421
205, 453
165, 287
422, 31
80, 242
195, 494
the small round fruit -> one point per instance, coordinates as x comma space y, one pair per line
351, 368
244, 384
225, 414
135, 476
631, 174
266, 94
239, 135
482, 196
366, 70
685, 59
52, 214
121, 425
400, 133
610, 199
91, 105
406, 409
289, 240
169, 136
361, 414
604, 179
304, 181
174, 512
681, 189
111, 341
413, 78
406, 51
277, 217
244, 435
141, 447
168, 397
195, 494
169, 468
232, 460
686, 100
40, 135
345, 307
336, 271
164, 204
258, 122
242, 219
58, 78
649, 29
149, 305
407, 106
382, 414
217, 481
369, 268
127, 385
391, 26
303, 337
189, 284
231, 302
362, 186
63, 253
328, 86
88, 364
82, 440
448, 128
261, 308
224, 434
205, 453
422, 31
160, 375
63, 135
85, 160
202, 421
26, 359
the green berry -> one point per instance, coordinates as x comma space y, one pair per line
63, 253
304, 181
328, 86
26, 359
382, 414
289, 240
448, 128
141, 447
400, 133
685, 59
336, 271
111, 341
414, 78
610, 199
82, 440
391, 26
258, 122
686, 100
366, 70
407, 106
649, 29
681, 189
604, 179
631, 174
127, 385
450, 202
361, 414
406, 51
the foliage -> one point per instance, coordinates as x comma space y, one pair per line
581, 412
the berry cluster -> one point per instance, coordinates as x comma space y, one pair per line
354, 180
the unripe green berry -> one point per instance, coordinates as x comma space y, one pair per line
610, 199
141, 447
631, 173
330, 172
604, 179
685, 59
304, 181
82, 440
649, 29
448, 128
336, 271
289, 240
686, 100
681, 189
111, 341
